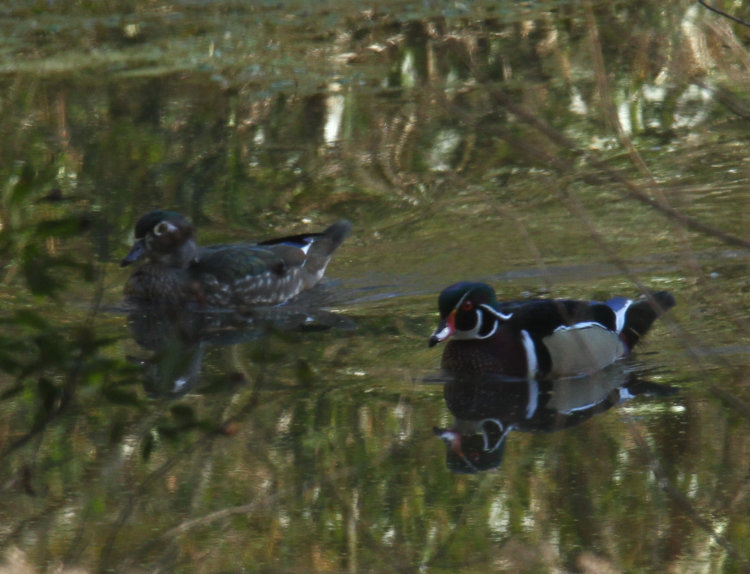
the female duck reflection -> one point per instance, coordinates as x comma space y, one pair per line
486, 410
178, 338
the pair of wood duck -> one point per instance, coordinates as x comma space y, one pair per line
524, 339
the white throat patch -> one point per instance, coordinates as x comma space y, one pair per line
474, 332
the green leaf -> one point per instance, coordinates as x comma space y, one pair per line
53, 350
305, 372
119, 396
30, 318
36, 270
48, 394
147, 446
71, 226
11, 392
117, 430
23, 187
183, 415
169, 432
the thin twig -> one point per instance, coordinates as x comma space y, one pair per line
722, 13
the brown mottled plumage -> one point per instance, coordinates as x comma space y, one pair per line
177, 271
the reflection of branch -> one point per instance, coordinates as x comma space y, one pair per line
732, 102
722, 13
132, 498
632, 189
610, 109
680, 499
261, 502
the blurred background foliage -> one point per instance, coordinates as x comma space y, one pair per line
552, 148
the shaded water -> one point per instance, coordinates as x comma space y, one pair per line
565, 149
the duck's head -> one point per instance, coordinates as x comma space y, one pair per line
164, 237
467, 311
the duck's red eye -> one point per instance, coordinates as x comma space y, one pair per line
467, 305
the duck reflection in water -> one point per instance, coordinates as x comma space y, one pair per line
486, 410
178, 338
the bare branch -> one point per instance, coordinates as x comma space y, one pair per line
722, 13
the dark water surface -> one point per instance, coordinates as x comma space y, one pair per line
576, 149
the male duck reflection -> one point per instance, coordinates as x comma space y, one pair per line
177, 271
486, 411
538, 338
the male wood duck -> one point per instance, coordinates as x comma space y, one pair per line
538, 338
239, 275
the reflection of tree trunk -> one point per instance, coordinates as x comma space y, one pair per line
609, 108
351, 532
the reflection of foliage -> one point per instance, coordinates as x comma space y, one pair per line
29, 244
291, 461
51, 364
46, 363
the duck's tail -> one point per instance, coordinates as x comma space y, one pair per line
323, 243
634, 318
330, 240
317, 249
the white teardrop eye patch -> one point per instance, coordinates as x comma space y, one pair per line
163, 227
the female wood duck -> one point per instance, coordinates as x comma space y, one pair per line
538, 338
177, 271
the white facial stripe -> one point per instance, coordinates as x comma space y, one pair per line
473, 333
461, 301
533, 401
500, 440
164, 227
503, 432
531, 361
496, 313
620, 316
492, 332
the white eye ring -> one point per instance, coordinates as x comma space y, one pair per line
163, 227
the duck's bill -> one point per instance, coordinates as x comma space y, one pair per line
445, 329
136, 252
